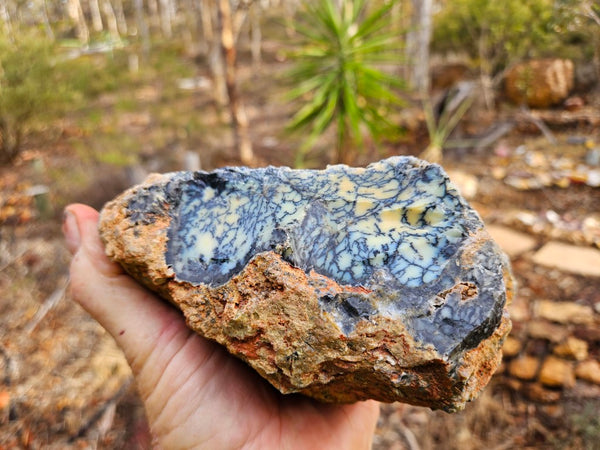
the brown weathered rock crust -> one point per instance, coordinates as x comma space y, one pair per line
292, 343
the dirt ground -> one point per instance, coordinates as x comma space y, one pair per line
63, 382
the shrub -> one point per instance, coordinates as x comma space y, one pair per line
495, 33
32, 88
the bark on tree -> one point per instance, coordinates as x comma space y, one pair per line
142, 26
418, 41
153, 11
216, 64
6, 20
111, 19
206, 16
46, 20
239, 120
96, 16
121, 19
75, 13
165, 18
255, 34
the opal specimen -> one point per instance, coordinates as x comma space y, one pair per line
342, 284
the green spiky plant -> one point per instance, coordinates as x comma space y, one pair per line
440, 128
337, 77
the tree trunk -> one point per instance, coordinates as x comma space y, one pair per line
6, 20
154, 15
111, 19
255, 34
239, 120
417, 45
46, 20
142, 26
165, 18
215, 54
96, 17
206, 16
10, 142
75, 13
121, 19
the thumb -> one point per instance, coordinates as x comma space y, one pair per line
143, 325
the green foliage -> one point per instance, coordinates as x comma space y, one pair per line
582, 429
440, 128
336, 75
578, 24
32, 88
495, 33
92, 75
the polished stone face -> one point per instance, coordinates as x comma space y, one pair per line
397, 228
346, 223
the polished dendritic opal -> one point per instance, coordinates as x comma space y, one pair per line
343, 284
345, 223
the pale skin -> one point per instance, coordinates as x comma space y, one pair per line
195, 394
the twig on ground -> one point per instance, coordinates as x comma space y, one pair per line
11, 261
48, 304
104, 415
6, 379
540, 124
409, 437
494, 133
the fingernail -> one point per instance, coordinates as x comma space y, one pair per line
71, 231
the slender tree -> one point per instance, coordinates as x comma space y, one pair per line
94, 8
418, 41
239, 120
75, 12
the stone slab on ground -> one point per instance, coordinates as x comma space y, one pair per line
513, 243
589, 371
557, 372
570, 258
564, 312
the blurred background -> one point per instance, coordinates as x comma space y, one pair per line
96, 94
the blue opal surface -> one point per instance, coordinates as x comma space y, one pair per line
345, 223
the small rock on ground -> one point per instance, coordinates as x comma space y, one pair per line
589, 371
572, 348
557, 372
524, 368
564, 312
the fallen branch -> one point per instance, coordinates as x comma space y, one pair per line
104, 412
48, 304
540, 124
409, 437
493, 134
11, 261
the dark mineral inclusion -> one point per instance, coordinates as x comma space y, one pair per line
396, 227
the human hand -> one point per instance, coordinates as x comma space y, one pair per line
196, 395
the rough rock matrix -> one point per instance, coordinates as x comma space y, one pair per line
343, 284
